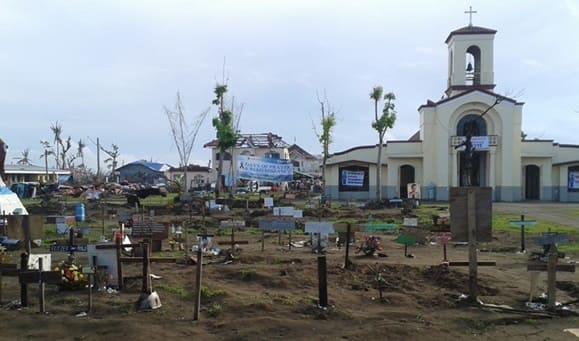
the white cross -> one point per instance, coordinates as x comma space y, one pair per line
470, 12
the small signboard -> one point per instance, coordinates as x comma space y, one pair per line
88, 270
231, 224
444, 238
33, 261
68, 248
552, 238
277, 225
380, 227
153, 230
523, 223
268, 202
287, 211
411, 222
406, 240
321, 227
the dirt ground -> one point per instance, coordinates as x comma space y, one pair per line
273, 294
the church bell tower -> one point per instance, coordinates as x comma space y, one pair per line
470, 59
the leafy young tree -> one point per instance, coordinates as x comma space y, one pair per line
327, 123
381, 124
113, 154
225, 133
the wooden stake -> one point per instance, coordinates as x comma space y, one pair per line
346, 260
146, 288
23, 286
118, 241
198, 284
41, 286
522, 234
472, 256
262, 241
552, 276
322, 282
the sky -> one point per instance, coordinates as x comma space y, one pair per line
106, 69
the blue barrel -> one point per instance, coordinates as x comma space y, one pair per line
80, 211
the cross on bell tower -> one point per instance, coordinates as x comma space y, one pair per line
470, 13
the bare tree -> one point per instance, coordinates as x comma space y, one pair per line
327, 124
64, 148
184, 135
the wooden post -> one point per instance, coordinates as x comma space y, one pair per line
27, 238
198, 284
522, 234
322, 282
290, 241
262, 241
41, 286
146, 288
23, 286
346, 260
445, 259
232, 240
472, 256
278, 237
118, 244
89, 308
551, 276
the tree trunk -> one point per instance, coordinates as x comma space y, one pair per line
218, 185
379, 172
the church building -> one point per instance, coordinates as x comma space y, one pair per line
435, 157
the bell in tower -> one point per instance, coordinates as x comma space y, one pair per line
470, 52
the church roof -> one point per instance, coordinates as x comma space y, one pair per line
430, 103
470, 30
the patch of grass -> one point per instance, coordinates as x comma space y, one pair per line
477, 325
247, 275
501, 222
214, 310
177, 291
206, 292
283, 299
571, 247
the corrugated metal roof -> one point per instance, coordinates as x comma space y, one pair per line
263, 140
157, 167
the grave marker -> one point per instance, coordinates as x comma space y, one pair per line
267, 202
41, 277
278, 225
550, 241
406, 240
320, 228
373, 227
233, 224
523, 223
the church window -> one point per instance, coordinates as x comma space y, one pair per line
472, 123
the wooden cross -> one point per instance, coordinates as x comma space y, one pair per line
551, 240
40, 277
234, 224
470, 13
406, 240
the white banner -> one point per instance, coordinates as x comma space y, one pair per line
352, 178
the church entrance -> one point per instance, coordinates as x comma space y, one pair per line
406, 177
532, 182
478, 172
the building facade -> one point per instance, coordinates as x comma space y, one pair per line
435, 157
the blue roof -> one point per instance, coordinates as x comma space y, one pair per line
157, 167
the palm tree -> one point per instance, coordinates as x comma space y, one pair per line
57, 131
25, 158
381, 124
47, 151
80, 150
